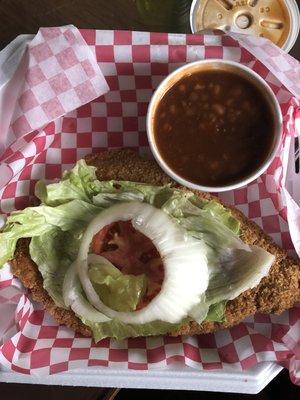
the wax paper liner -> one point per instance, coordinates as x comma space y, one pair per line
133, 64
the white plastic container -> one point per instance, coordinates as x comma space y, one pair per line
241, 17
175, 377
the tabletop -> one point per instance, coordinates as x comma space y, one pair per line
26, 16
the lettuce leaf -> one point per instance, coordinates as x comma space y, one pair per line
118, 330
53, 252
79, 183
240, 270
119, 291
216, 312
216, 210
234, 267
113, 192
32, 225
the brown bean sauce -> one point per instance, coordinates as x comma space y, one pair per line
213, 128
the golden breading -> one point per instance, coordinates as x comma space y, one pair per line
275, 293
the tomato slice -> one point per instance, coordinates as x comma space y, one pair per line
98, 239
131, 252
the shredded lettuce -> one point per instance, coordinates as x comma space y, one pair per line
57, 224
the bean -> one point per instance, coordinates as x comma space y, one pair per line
219, 109
214, 165
194, 96
167, 127
172, 109
182, 88
205, 115
232, 116
246, 105
225, 156
163, 114
217, 89
212, 117
236, 91
229, 101
184, 103
200, 86
203, 97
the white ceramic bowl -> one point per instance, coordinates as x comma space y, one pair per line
231, 66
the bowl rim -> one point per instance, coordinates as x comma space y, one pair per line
243, 182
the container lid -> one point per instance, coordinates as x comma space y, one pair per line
272, 19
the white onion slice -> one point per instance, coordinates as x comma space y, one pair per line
73, 298
184, 259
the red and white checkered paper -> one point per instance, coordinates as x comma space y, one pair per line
47, 140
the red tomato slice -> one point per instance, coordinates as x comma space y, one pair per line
99, 239
131, 252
